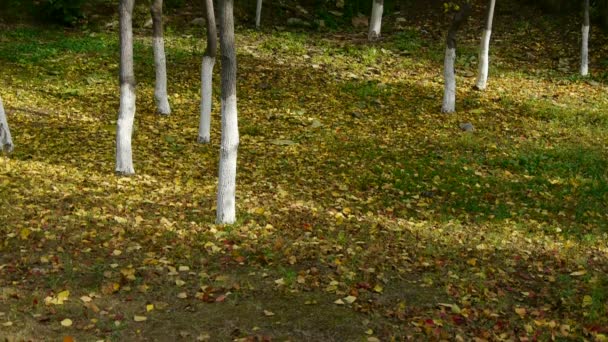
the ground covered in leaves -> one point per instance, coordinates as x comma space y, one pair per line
363, 212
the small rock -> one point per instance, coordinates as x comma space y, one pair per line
297, 22
468, 73
198, 22
112, 24
467, 127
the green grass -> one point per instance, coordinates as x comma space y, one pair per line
387, 200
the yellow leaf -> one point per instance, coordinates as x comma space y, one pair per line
378, 288
7, 324
182, 295
66, 322
578, 273
268, 313
180, 282
472, 261
350, 299
86, 299
25, 233
587, 301
149, 307
520, 311
63, 295
137, 318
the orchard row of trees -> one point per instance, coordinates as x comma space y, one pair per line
226, 206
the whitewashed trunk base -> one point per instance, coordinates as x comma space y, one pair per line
449, 95
204, 127
484, 60
375, 22
585, 51
226, 192
6, 141
160, 89
124, 156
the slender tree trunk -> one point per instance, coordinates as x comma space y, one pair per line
449, 95
160, 61
226, 206
258, 14
585, 41
204, 127
126, 113
375, 22
484, 49
6, 141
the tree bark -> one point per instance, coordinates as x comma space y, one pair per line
204, 127
160, 60
585, 41
126, 113
375, 22
258, 14
6, 141
226, 206
449, 95
484, 49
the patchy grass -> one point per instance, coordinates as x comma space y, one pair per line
382, 219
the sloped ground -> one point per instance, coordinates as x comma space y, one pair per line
363, 212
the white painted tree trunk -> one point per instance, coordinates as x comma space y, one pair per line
585, 52
258, 14
204, 127
585, 41
6, 141
160, 60
484, 60
484, 49
449, 94
226, 193
375, 22
126, 113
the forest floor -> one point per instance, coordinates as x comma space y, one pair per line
363, 212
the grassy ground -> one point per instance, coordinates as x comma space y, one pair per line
362, 211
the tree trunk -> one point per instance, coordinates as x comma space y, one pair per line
204, 127
449, 95
6, 141
160, 61
230, 130
484, 49
126, 113
585, 41
375, 22
258, 14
